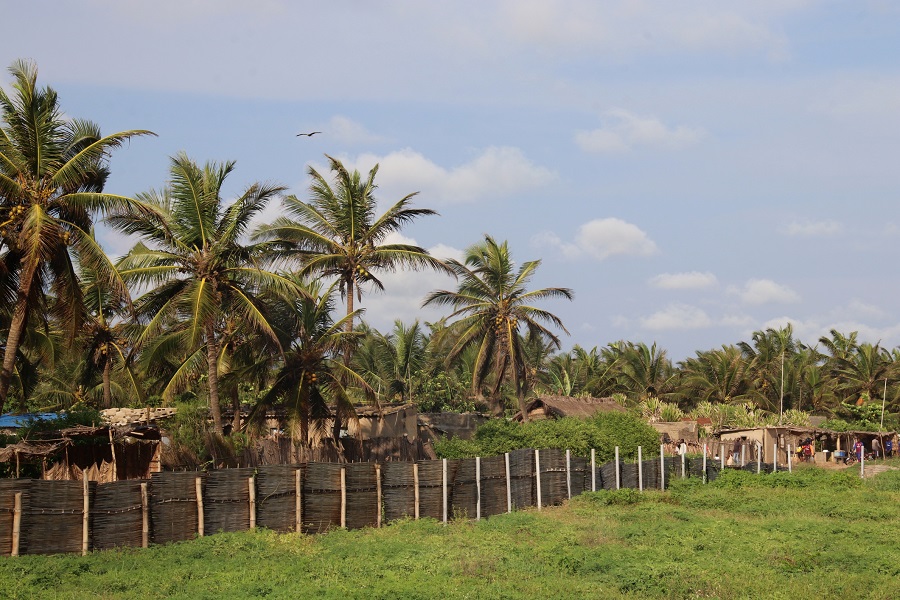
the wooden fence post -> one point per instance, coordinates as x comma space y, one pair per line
508, 486
640, 471
593, 470
16, 524
721, 456
743, 454
86, 515
683, 464
477, 488
298, 501
569, 472
251, 486
198, 486
145, 516
775, 457
618, 472
343, 497
378, 494
416, 492
537, 476
790, 466
704, 462
444, 487
759, 450
662, 467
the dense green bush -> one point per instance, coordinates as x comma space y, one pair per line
603, 433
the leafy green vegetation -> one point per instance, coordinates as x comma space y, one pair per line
602, 432
810, 533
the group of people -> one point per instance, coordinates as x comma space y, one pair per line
878, 451
806, 451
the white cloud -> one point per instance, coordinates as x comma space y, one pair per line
764, 291
623, 131
496, 172
691, 280
347, 131
623, 27
677, 316
813, 228
600, 239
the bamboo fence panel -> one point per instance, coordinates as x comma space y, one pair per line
226, 500
173, 506
322, 497
117, 515
362, 498
276, 494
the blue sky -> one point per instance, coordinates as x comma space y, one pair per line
695, 171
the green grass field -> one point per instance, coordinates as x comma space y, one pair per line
810, 534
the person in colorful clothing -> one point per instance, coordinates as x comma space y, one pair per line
858, 448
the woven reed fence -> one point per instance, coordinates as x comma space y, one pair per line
48, 517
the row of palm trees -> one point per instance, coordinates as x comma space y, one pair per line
207, 304
203, 299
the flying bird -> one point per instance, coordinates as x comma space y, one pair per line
310, 134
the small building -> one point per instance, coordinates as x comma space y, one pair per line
556, 407
105, 453
779, 441
673, 431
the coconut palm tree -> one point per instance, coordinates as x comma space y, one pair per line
337, 233
198, 268
716, 376
52, 173
493, 305
644, 371
313, 373
394, 360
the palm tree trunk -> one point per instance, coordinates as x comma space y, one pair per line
236, 409
212, 354
16, 330
107, 383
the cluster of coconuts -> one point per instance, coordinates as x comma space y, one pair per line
361, 271
311, 378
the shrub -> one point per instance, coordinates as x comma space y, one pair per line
602, 433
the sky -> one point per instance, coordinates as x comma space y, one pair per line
693, 171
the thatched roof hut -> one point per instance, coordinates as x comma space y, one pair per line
105, 453
555, 407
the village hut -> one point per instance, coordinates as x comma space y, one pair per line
104, 453
556, 407
778, 441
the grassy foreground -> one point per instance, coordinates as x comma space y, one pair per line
802, 535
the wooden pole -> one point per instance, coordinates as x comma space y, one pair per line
198, 487
662, 467
251, 488
86, 515
775, 457
444, 487
298, 501
704, 462
112, 450
640, 462
378, 494
416, 492
343, 497
790, 466
537, 476
16, 524
862, 463
593, 470
508, 486
743, 454
758, 458
477, 488
569, 472
683, 465
145, 516
721, 456
618, 472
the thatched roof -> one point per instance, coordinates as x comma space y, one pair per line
565, 406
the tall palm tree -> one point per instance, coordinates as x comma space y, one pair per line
770, 367
52, 173
312, 373
493, 305
394, 360
716, 376
337, 233
644, 371
197, 265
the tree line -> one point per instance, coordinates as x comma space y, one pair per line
209, 304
